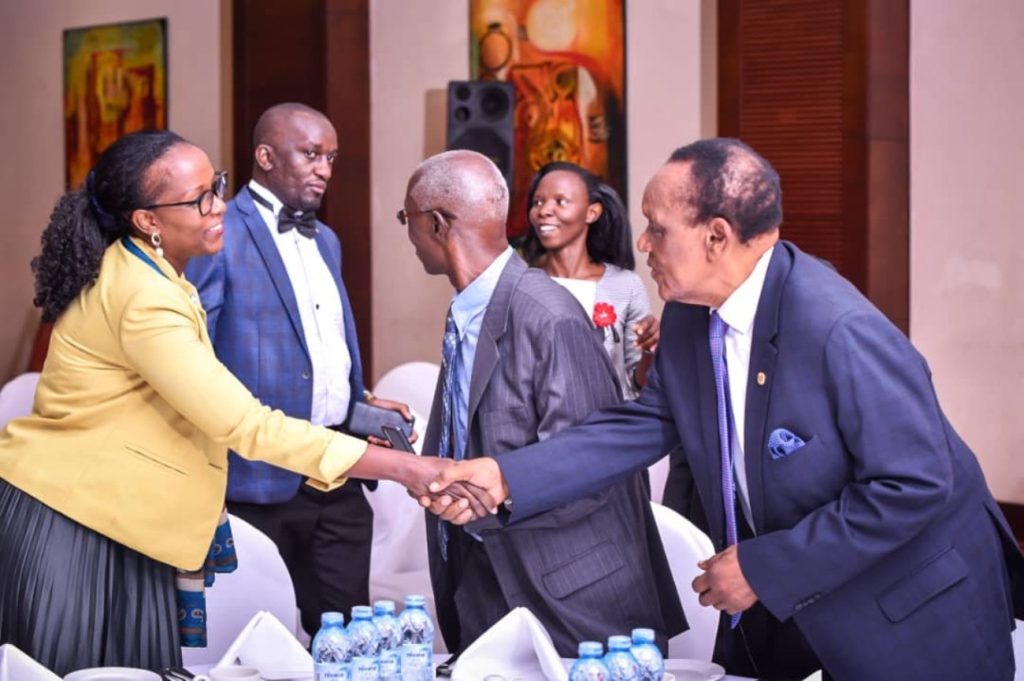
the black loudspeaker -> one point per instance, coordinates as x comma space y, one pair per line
480, 118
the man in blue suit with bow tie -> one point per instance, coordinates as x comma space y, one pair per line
854, 529
280, 318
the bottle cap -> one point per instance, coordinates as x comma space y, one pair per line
591, 649
331, 618
415, 601
383, 607
361, 612
643, 636
618, 643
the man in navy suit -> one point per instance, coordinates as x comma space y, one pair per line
280, 318
854, 529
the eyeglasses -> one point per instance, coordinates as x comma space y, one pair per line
404, 215
204, 202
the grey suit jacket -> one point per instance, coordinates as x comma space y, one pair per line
589, 569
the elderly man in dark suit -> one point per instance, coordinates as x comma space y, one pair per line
520, 361
854, 528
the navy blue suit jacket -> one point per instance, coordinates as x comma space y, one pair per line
879, 536
256, 330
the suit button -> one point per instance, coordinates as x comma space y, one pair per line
305, 375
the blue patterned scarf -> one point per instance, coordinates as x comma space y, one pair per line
191, 586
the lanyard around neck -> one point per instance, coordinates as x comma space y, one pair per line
138, 253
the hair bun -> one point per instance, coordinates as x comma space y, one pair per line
107, 222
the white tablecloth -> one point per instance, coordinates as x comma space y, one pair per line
438, 659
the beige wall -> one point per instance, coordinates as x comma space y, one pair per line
966, 208
31, 123
416, 48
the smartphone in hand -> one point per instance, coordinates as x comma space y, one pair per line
397, 439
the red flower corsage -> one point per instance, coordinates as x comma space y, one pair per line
605, 317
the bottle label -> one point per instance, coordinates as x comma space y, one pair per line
417, 658
332, 671
390, 666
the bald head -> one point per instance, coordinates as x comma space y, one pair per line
280, 117
465, 184
295, 148
731, 180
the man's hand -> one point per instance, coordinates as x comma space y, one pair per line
419, 471
479, 478
723, 586
391, 405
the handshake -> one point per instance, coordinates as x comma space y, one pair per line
457, 491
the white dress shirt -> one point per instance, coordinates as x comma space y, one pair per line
738, 312
323, 320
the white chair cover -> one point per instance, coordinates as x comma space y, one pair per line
658, 473
684, 546
398, 559
412, 383
399, 536
16, 397
261, 582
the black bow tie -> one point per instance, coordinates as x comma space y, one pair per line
289, 218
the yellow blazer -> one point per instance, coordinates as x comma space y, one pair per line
134, 415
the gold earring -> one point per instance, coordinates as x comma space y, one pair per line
155, 239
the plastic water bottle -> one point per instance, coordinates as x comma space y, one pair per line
365, 644
417, 627
332, 650
417, 640
590, 667
620, 661
390, 632
645, 652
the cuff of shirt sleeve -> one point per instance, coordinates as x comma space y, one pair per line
341, 454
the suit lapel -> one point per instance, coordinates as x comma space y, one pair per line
491, 330
260, 235
763, 353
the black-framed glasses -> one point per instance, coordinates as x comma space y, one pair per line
404, 215
203, 202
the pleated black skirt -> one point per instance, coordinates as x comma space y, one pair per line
72, 598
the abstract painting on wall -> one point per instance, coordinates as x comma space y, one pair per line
566, 59
115, 82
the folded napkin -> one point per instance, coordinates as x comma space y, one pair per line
516, 647
266, 644
17, 666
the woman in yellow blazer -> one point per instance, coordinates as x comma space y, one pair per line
118, 476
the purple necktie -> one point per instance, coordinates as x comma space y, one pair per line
716, 339
449, 356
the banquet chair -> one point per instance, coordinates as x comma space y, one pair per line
261, 582
412, 383
16, 397
398, 557
684, 546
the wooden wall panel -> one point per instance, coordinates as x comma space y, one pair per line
819, 87
315, 52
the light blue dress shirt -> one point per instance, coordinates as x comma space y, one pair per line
468, 308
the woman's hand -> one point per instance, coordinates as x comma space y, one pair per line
648, 332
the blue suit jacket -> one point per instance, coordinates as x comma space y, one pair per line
256, 331
879, 536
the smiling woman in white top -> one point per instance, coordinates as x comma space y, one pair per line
580, 235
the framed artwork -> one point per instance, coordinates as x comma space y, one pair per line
566, 59
115, 82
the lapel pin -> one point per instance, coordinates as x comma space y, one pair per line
761, 378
